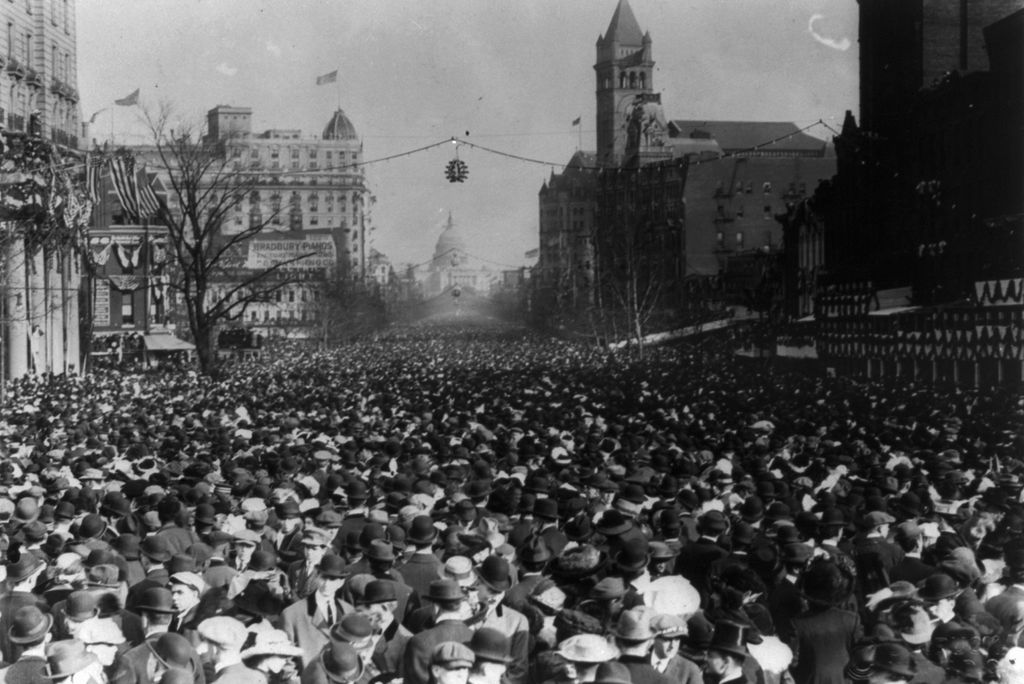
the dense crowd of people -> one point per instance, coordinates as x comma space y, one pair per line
444, 505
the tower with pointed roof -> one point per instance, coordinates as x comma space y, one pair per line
624, 70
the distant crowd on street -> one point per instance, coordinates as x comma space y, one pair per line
446, 504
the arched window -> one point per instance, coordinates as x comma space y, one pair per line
643, 81
632, 79
622, 79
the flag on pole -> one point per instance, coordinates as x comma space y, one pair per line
327, 78
122, 172
576, 121
92, 119
129, 100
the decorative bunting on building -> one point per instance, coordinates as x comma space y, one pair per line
125, 283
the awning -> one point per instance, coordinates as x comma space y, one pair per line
166, 342
892, 311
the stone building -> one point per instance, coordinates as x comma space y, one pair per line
313, 197
42, 252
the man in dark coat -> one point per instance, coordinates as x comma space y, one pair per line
449, 625
22, 577
423, 566
823, 635
696, 563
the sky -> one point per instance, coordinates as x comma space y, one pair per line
510, 75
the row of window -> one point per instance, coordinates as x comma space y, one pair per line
312, 154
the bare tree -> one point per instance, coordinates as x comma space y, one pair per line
205, 190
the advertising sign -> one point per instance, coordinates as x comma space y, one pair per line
317, 251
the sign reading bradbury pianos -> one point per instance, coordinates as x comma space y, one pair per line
317, 252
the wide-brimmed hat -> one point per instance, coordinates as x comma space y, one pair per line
445, 590
67, 657
587, 648
272, 642
27, 565
491, 645
29, 625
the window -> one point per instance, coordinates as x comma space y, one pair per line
27, 54
312, 164
10, 39
295, 152
252, 316
766, 188
266, 315
739, 240
291, 295
277, 296
67, 17
127, 309
53, 12
274, 153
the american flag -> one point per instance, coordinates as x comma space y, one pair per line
149, 203
122, 172
93, 167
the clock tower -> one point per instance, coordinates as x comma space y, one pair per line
625, 71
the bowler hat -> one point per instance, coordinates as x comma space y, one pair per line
634, 555
728, 637
490, 645
613, 672
546, 509
258, 599
332, 567
379, 591
156, 548
341, 663
713, 522
29, 625
422, 531
263, 561
81, 605
579, 529
936, 587
353, 628
172, 650
380, 551
494, 572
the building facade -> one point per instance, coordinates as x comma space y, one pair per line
452, 267
928, 200
564, 273
42, 226
312, 197
712, 191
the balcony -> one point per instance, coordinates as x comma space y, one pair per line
15, 68
33, 78
15, 122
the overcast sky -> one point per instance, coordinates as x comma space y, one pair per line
506, 74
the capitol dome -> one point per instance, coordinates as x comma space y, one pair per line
450, 245
339, 128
